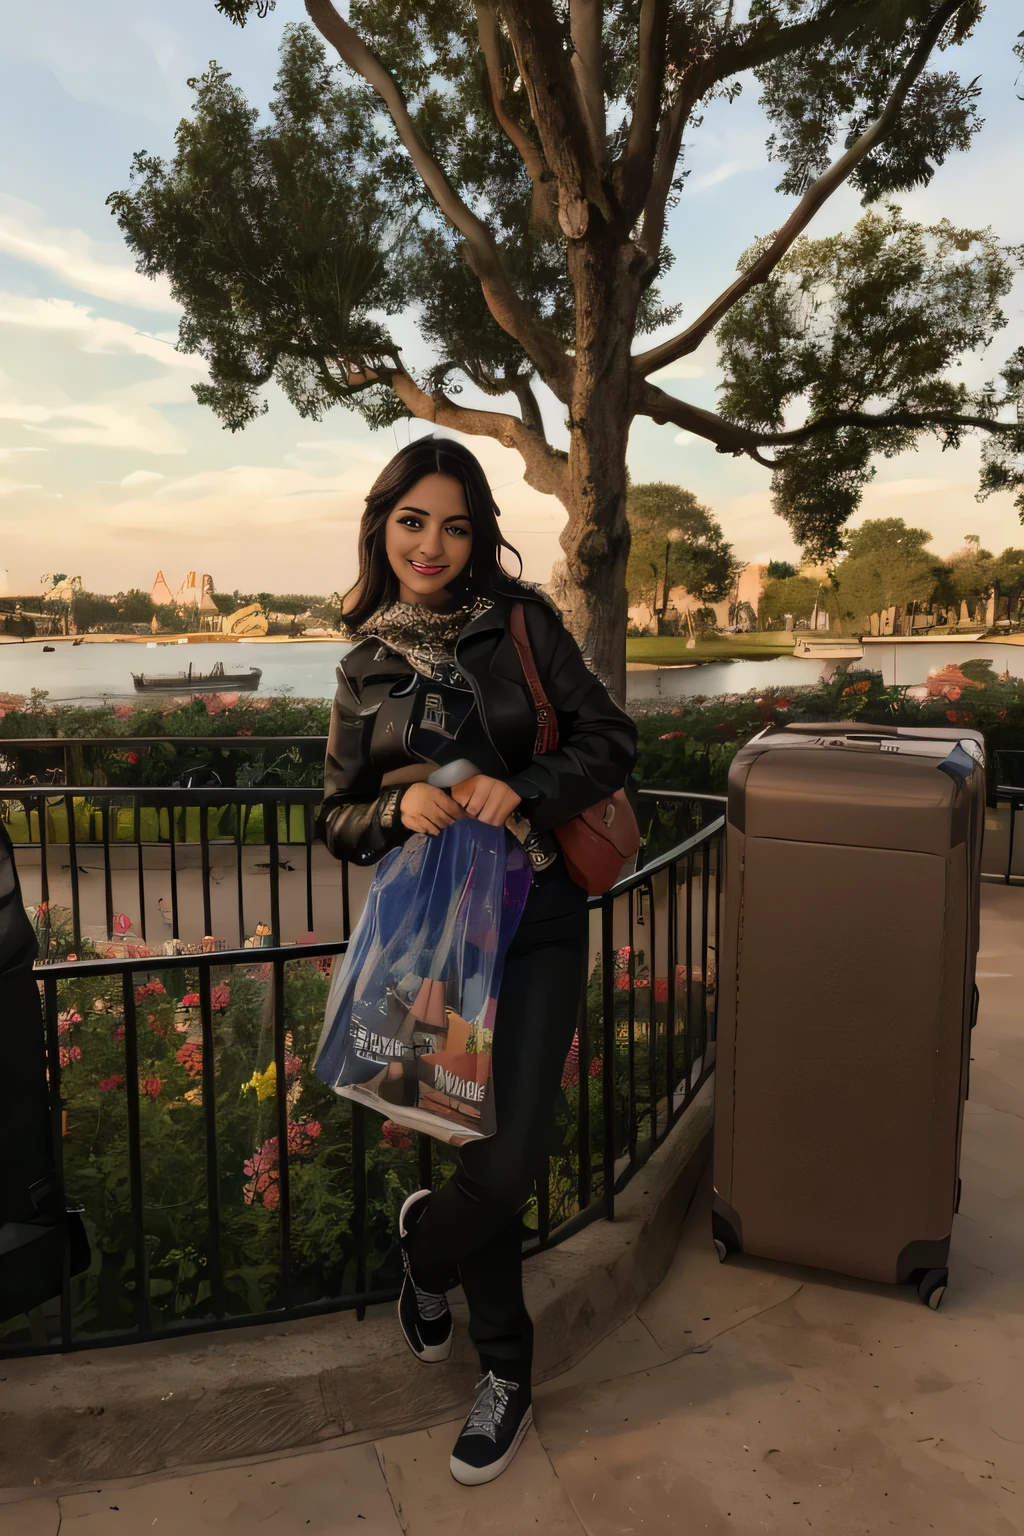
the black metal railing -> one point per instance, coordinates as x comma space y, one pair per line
157, 830
223, 1184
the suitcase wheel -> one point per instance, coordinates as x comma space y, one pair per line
932, 1287
721, 1250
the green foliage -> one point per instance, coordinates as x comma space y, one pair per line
887, 565
692, 745
866, 329
135, 607
675, 541
792, 594
778, 570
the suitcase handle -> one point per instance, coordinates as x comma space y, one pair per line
839, 728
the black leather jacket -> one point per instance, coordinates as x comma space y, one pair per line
359, 820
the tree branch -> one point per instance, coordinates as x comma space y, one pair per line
544, 209
480, 250
816, 195
727, 436
558, 113
669, 144
586, 20
876, 421
642, 139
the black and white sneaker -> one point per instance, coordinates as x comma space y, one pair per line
424, 1316
494, 1431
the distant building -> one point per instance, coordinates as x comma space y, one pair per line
734, 611
161, 593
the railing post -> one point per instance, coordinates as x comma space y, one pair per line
608, 1075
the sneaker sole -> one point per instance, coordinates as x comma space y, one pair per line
472, 1477
426, 1354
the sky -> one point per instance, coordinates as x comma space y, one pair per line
110, 469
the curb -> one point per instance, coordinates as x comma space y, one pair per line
146, 1408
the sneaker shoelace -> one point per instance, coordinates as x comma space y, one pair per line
431, 1308
489, 1408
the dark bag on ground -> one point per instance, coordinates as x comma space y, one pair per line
847, 997
38, 1235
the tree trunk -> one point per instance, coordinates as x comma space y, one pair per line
591, 587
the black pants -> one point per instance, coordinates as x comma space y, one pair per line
474, 1222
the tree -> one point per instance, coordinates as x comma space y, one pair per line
789, 594
887, 565
674, 542
505, 168
1007, 575
778, 570
967, 576
135, 607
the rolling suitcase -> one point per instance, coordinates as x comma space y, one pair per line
848, 997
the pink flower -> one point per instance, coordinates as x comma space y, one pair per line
110, 1083
123, 711
118, 1033
301, 1135
132, 757
673, 736
66, 1019
596, 1067
190, 1000
151, 1087
271, 1197
220, 996
122, 923
70, 1053
292, 1066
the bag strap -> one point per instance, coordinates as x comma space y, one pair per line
547, 724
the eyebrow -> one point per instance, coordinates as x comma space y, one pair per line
453, 517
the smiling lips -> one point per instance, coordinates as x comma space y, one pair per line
426, 570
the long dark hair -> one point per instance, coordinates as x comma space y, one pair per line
483, 575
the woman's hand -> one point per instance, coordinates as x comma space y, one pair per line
425, 808
487, 800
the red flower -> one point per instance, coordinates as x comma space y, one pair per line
571, 1071
151, 1087
191, 1058
596, 1067
190, 1000
220, 996
783, 703
123, 711
66, 1019
1000, 714
151, 989
132, 757
118, 1033
397, 1136
673, 736
110, 1083
70, 1053
301, 1135
292, 1066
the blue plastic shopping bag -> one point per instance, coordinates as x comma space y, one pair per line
410, 1013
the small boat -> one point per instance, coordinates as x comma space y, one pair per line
835, 649
214, 681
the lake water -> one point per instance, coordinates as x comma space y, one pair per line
100, 671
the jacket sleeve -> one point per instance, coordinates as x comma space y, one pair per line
356, 820
596, 739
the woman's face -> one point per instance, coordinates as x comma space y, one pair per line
429, 538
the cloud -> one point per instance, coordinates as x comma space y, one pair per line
913, 487
93, 333
682, 368
8, 453
8, 487
712, 178
79, 261
141, 477
95, 424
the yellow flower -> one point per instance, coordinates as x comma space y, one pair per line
264, 1083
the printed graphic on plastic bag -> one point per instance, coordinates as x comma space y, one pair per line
410, 1014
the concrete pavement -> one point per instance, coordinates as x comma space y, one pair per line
742, 1397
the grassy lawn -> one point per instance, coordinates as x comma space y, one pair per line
667, 649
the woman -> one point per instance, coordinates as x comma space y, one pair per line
434, 681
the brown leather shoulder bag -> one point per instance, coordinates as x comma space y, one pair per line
596, 842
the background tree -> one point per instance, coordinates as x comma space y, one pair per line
506, 168
967, 575
674, 542
796, 595
778, 570
134, 607
887, 565
1007, 575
